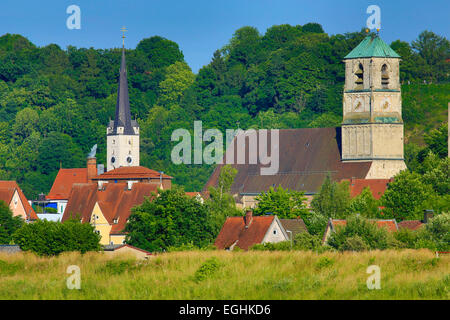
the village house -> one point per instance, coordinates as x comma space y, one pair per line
58, 196
416, 224
367, 146
108, 207
244, 232
13, 196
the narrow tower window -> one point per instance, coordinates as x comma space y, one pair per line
384, 77
359, 78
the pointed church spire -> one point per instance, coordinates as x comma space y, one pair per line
123, 114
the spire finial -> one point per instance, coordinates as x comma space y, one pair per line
123, 35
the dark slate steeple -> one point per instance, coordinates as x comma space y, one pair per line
123, 114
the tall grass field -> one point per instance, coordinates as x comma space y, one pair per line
405, 274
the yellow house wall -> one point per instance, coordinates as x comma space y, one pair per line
100, 224
116, 239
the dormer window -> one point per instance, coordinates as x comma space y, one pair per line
359, 82
384, 77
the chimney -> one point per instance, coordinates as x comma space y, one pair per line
427, 215
91, 168
248, 218
100, 169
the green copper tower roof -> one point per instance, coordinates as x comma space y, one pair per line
372, 46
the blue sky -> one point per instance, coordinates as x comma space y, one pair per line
202, 26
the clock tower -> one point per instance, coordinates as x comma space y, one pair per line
122, 134
372, 128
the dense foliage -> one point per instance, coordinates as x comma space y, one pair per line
52, 238
286, 204
8, 223
55, 103
170, 219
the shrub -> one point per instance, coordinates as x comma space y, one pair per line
306, 241
207, 269
324, 262
51, 238
116, 267
436, 234
316, 223
8, 223
406, 236
355, 243
373, 236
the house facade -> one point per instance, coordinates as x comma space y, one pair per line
244, 232
13, 196
107, 208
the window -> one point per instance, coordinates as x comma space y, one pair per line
359, 82
275, 231
384, 77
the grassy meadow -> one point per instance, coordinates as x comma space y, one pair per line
405, 274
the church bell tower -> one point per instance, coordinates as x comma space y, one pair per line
372, 128
122, 134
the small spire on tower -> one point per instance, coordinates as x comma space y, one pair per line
123, 35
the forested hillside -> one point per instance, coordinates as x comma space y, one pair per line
55, 103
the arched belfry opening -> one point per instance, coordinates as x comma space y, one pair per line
359, 81
385, 76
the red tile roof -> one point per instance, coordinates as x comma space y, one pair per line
410, 224
128, 173
115, 201
306, 156
377, 186
193, 194
63, 182
7, 190
234, 230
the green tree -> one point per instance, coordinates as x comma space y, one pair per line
407, 196
25, 123
436, 234
160, 52
221, 203
434, 49
365, 204
359, 234
170, 219
286, 204
333, 199
8, 223
437, 140
178, 78
50, 238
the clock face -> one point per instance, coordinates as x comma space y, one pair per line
113, 159
129, 159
